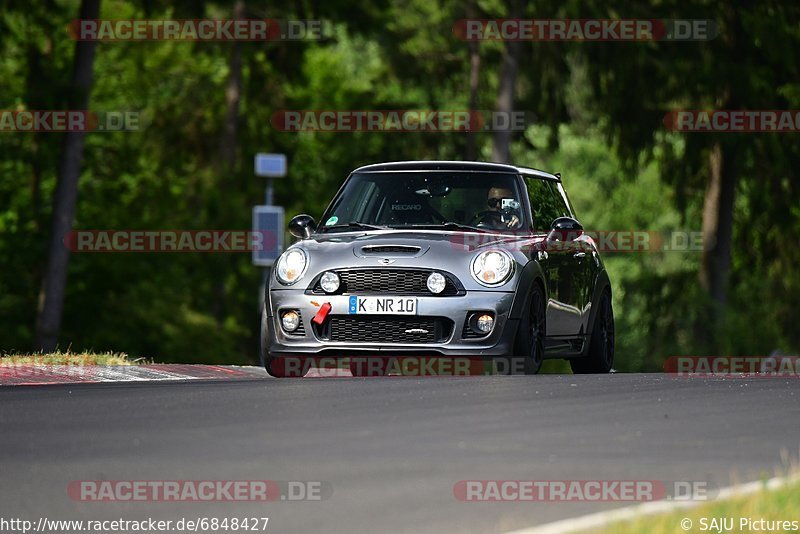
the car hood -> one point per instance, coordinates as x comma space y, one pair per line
433, 241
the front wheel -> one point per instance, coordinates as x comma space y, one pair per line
532, 328
601, 344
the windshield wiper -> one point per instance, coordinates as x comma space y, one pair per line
447, 225
355, 224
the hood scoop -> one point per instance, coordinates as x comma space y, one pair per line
390, 250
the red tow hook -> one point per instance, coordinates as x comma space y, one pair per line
319, 318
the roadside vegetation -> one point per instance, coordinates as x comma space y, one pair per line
771, 505
68, 358
595, 114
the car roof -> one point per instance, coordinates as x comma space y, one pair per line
469, 166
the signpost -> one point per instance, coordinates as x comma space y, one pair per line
268, 219
270, 166
268, 234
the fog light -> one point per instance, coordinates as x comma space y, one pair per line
329, 282
485, 323
436, 283
290, 321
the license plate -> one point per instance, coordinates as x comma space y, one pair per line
383, 305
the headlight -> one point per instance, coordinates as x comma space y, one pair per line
329, 282
291, 266
492, 268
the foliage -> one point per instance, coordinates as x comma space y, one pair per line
599, 108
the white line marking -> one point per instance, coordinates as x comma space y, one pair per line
627, 513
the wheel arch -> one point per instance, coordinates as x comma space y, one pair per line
531, 274
602, 284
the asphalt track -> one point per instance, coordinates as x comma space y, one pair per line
390, 448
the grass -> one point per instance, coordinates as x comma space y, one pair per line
781, 504
68, 358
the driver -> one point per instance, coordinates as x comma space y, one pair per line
496, 216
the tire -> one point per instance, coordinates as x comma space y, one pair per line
600, 358
263, 340
275, 367
529, 343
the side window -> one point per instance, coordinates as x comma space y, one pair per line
562, 205
546, 204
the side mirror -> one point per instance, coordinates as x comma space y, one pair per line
565, 229
302, 226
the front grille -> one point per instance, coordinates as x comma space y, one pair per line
389, 282
385, 329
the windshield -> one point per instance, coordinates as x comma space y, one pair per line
454, 200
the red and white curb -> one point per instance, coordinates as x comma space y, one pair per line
34, 375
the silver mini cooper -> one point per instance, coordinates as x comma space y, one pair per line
444, 259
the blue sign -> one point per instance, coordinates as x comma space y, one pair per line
270, 165
267, 239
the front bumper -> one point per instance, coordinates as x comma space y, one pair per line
499, 342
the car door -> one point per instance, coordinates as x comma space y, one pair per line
576, 265
560, 262
589, 266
